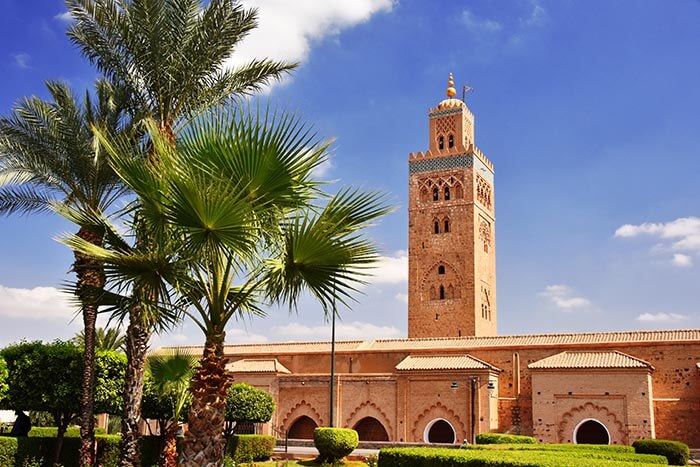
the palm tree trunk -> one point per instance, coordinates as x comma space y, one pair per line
137, 337
91, 280
204, 441
168, 450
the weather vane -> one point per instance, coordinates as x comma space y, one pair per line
465, 90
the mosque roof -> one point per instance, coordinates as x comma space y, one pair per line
456, 343
257, 365
444, 362
588, 360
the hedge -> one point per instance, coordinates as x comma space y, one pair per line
52, 432
552, 447
676, 452
334, 443
442, 457
250, 448
500, 438
14, 451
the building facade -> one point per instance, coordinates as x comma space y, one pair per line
454, 377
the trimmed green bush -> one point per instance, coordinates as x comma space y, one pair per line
501, 438
676, 452
334, 443
442, 457
251, 448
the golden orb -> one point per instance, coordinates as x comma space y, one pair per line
451, 91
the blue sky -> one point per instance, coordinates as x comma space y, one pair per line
588, 109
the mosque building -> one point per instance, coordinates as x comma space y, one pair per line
454, 376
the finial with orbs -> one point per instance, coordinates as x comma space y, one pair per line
451, 91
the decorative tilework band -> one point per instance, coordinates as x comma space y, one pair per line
462, 161
441, 113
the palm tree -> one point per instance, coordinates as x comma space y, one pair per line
49, 157
170, 55
105, 339
252, 225
171, 376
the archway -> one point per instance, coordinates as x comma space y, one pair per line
591, 431
439, 431
371, 429
302, 428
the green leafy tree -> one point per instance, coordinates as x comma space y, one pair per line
170, 55
245, 403
49, 159
3, 383
48, 377
237, 199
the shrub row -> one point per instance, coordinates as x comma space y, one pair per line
52, 431
677, 453
441, 457
14, 451
501, 438
250, 448
552, 447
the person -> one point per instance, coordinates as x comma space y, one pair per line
22, 425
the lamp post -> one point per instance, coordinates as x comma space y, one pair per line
475, 382
332, 365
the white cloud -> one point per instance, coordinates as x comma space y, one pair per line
536, 18
38, 303
682, 234
323, 168
287, 29
660, 317
402, 297
562, 296
242, 336
65, 17
391, 269
682, 260
22, 60
356, 330
477, 25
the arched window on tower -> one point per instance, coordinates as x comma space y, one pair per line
458, 191
441, 269
441, 142
436, 194
442, 292
447, 226
451, 141
447, 193
436, 227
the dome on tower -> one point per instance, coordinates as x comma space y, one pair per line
450, 102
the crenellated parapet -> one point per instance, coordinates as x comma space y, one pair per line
477, 152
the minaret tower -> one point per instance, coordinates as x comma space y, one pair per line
451, 230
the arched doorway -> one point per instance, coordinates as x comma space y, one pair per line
371, 429
591, 431
439, 431
302, 428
